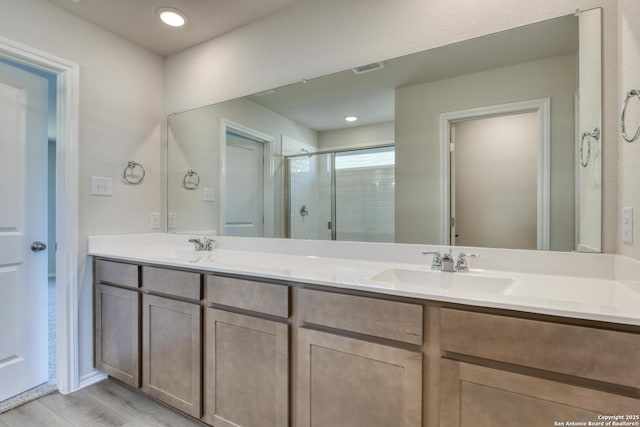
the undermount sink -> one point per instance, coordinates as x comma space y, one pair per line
451, 283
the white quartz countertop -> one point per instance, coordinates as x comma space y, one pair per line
609, 297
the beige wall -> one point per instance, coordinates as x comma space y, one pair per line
418, 164
629, 174
296, 44
121, 118
356, 137
194, 144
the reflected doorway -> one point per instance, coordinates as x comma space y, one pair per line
246, 182
497, 187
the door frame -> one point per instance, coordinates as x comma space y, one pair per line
542, 107
67, 125
268, 142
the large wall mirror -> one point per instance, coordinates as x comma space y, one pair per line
491, 142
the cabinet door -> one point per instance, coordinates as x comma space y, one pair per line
246, 371
473, 395
171, 345
351, 383
117, 340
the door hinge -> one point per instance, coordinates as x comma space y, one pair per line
452, 147
452, 222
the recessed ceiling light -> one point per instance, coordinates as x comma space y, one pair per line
351, 118
171, 16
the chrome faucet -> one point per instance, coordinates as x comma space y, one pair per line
444, 261
202, 245
447, 262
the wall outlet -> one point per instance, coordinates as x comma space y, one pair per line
627, 225
172, 220
101, 186
208, 194
154, 221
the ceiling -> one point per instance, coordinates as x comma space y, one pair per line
136, 21
322, 104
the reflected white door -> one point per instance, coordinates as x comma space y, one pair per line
23, 220
244, 192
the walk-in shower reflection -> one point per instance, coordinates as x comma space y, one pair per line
342, 195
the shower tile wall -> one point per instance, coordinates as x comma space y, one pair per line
365, 204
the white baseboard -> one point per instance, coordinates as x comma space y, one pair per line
91, 378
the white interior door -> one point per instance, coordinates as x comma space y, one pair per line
23, 220
244, 192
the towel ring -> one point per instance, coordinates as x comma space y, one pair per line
191, 180
630, 95
129, 175
586, 137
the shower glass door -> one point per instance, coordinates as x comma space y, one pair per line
342, 195
310, 196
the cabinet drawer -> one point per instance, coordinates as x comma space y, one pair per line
392, 320
596, 354
267, 298
117, 273
172, 282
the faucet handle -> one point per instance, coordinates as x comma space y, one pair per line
208, 244
436, 264
461, 261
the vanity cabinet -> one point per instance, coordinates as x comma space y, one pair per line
478, 396
171, 338
117, 320
117, 326
228, 349
358, 381
246, 354
499, 370
246, 372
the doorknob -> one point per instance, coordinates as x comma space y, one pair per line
38, 246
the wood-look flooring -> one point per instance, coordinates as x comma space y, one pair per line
107, 403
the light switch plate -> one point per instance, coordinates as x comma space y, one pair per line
627, 225
172, 220
154, 220
208, 194
101, 186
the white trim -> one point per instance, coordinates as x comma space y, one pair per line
67, 122
543, 107
92, 377
269, 151
576, 172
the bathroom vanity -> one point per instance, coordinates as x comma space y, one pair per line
241, 338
